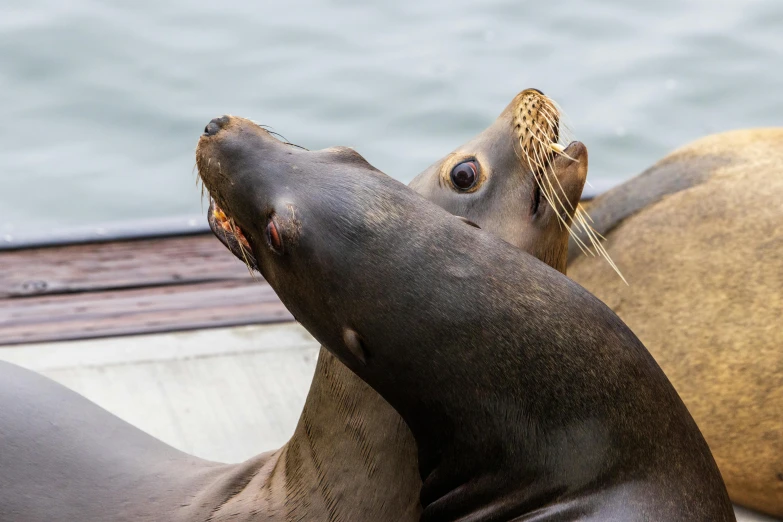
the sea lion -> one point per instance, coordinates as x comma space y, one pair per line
699, 237
527, 397
511, 179
371, 471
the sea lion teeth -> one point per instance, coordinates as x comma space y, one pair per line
557, 147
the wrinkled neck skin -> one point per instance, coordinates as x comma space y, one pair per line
351, 458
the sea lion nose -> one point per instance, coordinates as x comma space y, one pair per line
215, 125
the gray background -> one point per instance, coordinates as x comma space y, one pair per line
103, 101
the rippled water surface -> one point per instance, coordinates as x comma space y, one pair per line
103, 101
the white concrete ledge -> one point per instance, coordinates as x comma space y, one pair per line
223, 394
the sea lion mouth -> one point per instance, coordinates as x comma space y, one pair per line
214, 180
228, 158
229, 233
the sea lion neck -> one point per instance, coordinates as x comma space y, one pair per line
502, 411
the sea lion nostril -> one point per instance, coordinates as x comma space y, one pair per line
211, 129
215, 125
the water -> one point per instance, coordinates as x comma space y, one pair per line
103, 101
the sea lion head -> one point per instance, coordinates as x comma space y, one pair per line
515, 179
312, 222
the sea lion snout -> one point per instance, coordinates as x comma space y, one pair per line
214, 126
236, 159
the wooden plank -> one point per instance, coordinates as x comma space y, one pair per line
118, 264
128, 287
143, 310
223, 394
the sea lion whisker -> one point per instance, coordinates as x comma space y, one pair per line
562, 206
598, 234
233, 227
559, 207
579, 241
535, 166
282, 138
562, 190
543, 173
591, 234
566, 134
553, 122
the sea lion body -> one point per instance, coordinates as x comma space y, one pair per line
350, 443
699, 237
352, 457
528, 398
63, 458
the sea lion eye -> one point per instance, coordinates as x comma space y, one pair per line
464, 175
273, 236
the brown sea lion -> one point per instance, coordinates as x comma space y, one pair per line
349, 443
527, 397
699, 237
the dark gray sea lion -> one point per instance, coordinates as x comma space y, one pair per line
528, 398
349, 443
699, 236
54, 471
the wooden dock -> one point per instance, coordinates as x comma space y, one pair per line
223, 394
113, 288
163, 327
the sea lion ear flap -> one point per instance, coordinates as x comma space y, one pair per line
467, 221
350, 155
570, 167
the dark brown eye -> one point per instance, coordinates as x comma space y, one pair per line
464, 175
273, 237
